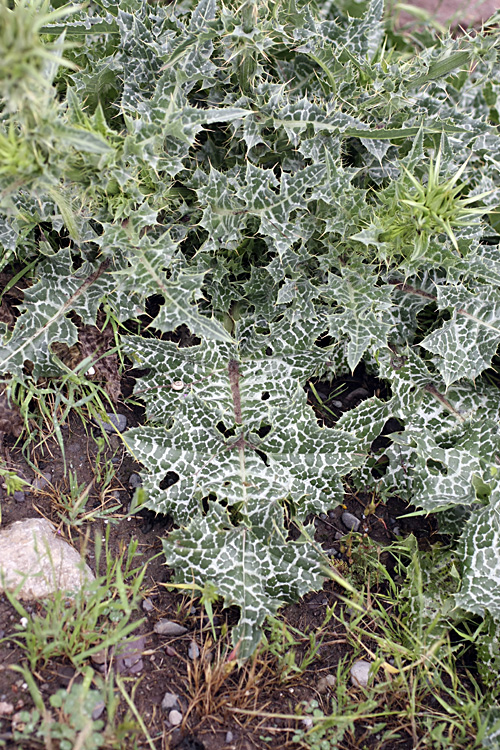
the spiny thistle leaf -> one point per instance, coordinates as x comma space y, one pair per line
465, 345
256, 569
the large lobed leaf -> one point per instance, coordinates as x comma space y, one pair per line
232, 430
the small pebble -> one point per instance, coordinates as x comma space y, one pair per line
338, 404
229, 737
115, 442
175, 718
167, 627
331, 513
338, 536
307, 722
193, 650
350, 521
147, 605
39, 483
326, 683
323, 516
170, 701
117, 422
98, 710
396, 531
100, 657
134, 481
6, 709
19, 496
360, 673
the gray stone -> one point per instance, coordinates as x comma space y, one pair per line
170, 700
148, 605
360, 673
19, 496
175, 718
193, 650
42, 481
31, 554
396, 531
229, 737
114, 422
167, 627
134, 481
350, 521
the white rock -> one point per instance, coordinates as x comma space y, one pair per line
350, 521
33, 555
193, 650
170, 700
175, 717
360, 673
229, 738
167, 627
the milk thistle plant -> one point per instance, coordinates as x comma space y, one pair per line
256, 210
